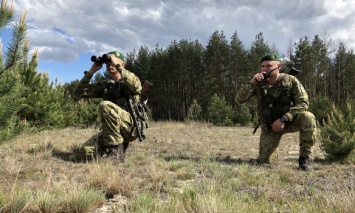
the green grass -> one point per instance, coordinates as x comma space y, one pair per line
190, 167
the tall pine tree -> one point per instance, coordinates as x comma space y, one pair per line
10, 84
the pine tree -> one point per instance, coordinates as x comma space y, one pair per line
162, 108
216, 60
257, 50
6, 14
338, 134
219, 112
238, 72
10, 103
33, 99
10, 85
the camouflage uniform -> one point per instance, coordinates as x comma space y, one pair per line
116, 122
287, 97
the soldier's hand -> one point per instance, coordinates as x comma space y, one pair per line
257, 78
95, 67
115, 61
278, 125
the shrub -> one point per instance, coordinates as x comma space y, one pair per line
219, 113
243, 115
320, 107
10, 103
338, 134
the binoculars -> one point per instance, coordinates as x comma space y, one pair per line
101, 59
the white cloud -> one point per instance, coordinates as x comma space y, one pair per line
61, 29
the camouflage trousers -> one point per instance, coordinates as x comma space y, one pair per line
303, 122
116, 124
116, 127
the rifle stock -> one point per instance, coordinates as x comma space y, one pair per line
135, 119
146, 86
133, 113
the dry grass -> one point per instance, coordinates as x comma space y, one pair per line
180, 167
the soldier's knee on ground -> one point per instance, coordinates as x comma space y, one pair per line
270, 159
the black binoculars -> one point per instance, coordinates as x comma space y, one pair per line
101, 59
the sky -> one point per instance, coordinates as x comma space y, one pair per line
67, 33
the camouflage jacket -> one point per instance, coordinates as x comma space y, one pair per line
286, 97
117, 92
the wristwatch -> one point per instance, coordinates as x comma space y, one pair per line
283, 119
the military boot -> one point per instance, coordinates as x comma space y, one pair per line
116, 153
305, 163
124, 149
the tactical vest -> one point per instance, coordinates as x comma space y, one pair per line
116, 93
275, 100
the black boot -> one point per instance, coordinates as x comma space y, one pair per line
125, 146
305, 163
122, 150
117, 153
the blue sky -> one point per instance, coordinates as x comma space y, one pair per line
67, 33
60, 71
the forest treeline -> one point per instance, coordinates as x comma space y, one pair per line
190, 80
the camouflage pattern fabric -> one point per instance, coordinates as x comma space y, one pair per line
102, 89
95, 147
288, 89
117, 124
287, 98
90, 147
304, 122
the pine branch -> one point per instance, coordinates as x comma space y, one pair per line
6, 14
14, 53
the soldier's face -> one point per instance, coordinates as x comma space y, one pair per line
268, 66
110, 69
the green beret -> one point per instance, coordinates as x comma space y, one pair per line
117, 54
270, 57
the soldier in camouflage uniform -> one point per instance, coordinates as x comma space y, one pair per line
116, 122
282, 106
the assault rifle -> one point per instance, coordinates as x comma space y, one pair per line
140, 108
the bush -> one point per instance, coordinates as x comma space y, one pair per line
243, 115
320, 107
10, 103
338, 134
219, 113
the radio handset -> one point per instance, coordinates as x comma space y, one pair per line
267, 75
